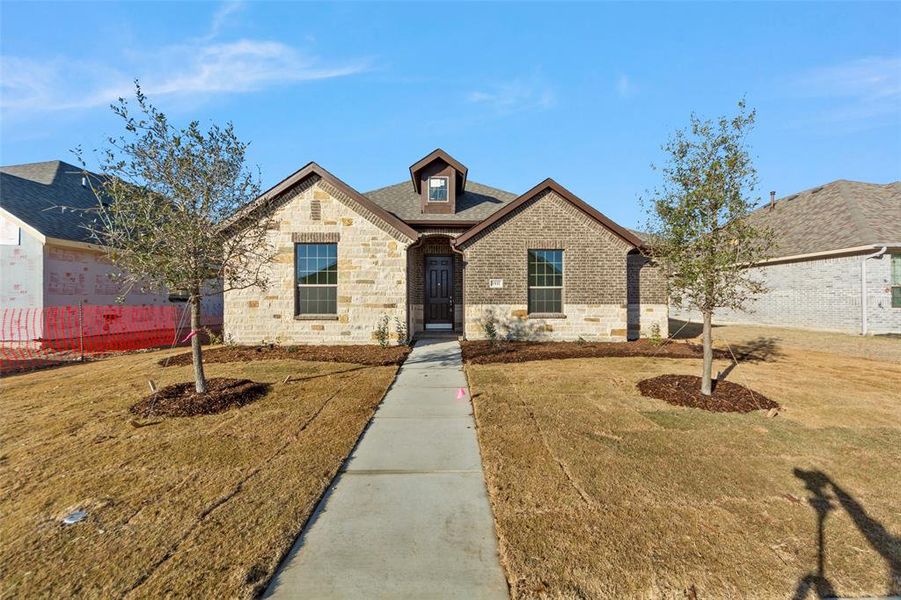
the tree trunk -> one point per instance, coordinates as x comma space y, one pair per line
706, 383
199, 376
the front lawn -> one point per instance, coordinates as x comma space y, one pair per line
184, 506
600, 492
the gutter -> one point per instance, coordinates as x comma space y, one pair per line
863, 287
826, 253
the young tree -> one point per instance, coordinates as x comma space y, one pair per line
163, 194
698, 220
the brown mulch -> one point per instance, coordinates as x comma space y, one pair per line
685, 390
482, 352
372, 355
180, 399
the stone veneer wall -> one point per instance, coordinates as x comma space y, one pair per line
819, 294
372, 273
595, 294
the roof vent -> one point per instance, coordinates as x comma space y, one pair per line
84, 181
772, 200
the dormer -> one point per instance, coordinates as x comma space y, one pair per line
438, 180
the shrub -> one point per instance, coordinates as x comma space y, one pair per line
381, 332
655, 337
401, 329
490, 329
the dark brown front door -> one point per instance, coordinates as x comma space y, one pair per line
439, 291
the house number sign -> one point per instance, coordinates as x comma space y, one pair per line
495, 284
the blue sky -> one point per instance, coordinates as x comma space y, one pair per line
583, 93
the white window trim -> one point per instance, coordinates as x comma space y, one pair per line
446, 189
561, 287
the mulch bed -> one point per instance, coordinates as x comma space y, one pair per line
180, 399
373, 355
685, 390
482, 352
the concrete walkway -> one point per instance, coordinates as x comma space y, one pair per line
409, 515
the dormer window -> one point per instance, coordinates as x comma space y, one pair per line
437, 189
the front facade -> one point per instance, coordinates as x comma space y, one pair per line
442, 253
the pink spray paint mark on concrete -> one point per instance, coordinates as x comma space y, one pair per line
461, 393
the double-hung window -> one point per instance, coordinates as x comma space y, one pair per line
316, 278
437, 189
545, 281
896, 280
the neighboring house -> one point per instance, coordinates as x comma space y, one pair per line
836, 261
441, 252
47, 257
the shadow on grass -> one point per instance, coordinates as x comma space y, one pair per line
763, 349
880, 539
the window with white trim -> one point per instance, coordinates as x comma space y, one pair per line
545, 281
896, 280
437, 189
317, 279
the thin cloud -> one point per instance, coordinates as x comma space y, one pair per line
221, 17
865, 91
197, 68
625, 88
515, 96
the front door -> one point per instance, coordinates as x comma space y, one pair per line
439, 292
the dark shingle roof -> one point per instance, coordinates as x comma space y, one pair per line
49, 197
841, 214
475, 204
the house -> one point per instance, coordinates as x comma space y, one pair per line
47, 256
835, 264
440, 252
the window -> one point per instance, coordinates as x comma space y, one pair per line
896, 280
317, 279
545, 281
437, 189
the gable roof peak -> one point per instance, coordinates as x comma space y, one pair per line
550, 184
438, 154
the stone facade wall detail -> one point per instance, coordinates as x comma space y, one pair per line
818, 294
591, 322
372, 274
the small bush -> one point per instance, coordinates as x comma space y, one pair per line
401, 329
215, 339
655, 337
490, 329
381, 332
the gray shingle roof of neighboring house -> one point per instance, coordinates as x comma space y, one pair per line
475, 204
838, 215
49, 196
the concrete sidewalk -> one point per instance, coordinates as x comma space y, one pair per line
409, 516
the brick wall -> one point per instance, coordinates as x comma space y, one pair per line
595, 295
819, 294
372, 279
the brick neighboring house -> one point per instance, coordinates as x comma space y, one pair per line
47, 256
439, 252
836, 262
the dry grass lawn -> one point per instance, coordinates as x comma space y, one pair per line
600, 492
195, 506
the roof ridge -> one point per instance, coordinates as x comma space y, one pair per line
471, 182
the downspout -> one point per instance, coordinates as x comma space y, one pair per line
410, 334
863, 288
454, 249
